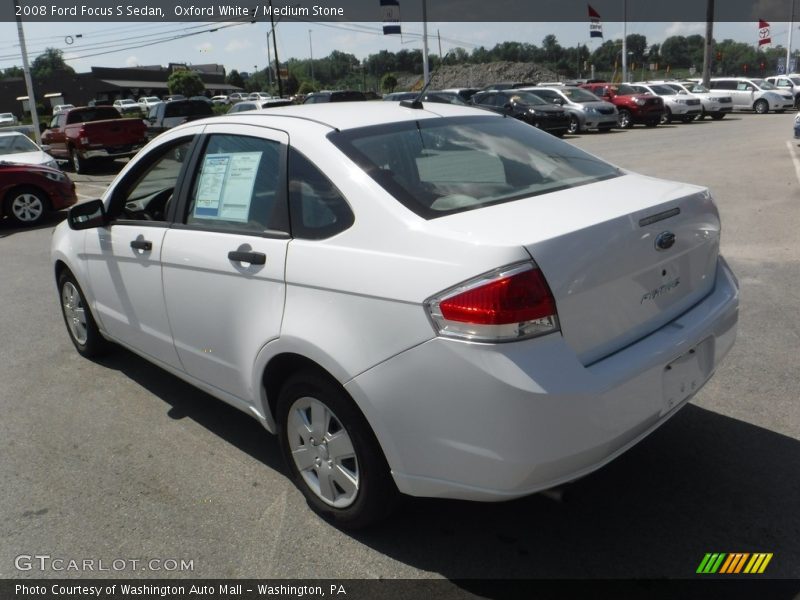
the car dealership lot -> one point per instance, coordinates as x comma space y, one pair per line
119, 460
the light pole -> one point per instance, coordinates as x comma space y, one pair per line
311, 53
269, 64
275, 47
28, 82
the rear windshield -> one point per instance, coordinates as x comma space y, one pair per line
188, 108
437, 167
97, 113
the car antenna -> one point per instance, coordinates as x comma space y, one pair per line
417, 102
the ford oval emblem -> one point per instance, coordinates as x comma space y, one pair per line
665, 240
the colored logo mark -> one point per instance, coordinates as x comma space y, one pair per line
734, 563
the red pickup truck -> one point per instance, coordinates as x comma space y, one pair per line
91, 132
633, 107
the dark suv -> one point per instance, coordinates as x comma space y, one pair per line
340, 96
167, 115
525, 106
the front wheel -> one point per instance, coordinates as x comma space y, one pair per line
332, 453
574, 125
666, 117
80, 323
625, 120
761, 107
26, 206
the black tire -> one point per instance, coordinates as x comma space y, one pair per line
574, 125
26, 206
761, 107
79, 165
718, 116
365, 468
666, 118
702, 115
73, 303
625, 119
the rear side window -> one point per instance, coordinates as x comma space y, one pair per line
316, 207
237, 186
437, 167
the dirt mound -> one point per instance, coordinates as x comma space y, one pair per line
478, 76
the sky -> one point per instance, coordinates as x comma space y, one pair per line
243, 46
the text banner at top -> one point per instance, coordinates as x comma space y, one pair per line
370, 10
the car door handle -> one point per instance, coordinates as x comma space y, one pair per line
142, 245
254, 258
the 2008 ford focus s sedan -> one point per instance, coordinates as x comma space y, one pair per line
427, 300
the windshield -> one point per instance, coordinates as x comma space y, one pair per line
663, 90
16, 144
437, 167
579, 95
624, 90
526, 98
697, 88
764, 85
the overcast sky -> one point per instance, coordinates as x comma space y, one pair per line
242, 47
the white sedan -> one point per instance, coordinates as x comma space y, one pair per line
16, 147
436, 301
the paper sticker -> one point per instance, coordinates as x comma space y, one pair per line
225, 189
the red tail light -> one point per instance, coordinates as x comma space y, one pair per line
508, 304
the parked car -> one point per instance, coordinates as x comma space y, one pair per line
586, 111
714, 105
16, 147
788, 83
29, 192
752, 94
85, 134
8, 119
148, 102
524, 311
222, 100
797, 126
59, 108
336, 96
464, 93
127, 107
525, 106
683, 107
248, 105
236, 97
256, 96
175, 112
172, 97
633, 107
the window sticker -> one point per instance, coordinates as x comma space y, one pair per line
225, 189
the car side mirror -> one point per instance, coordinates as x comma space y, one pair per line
88, 215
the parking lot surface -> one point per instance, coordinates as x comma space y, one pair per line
116, 459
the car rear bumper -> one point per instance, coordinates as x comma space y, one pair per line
113, 152
498, 421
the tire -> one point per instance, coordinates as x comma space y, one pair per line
703, 114
78, 164
666, 118
625, 120
26, 206
574, 125
81, 326
718, 116
761, 107
332, 453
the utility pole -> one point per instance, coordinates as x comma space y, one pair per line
275, 47
425, 70
269, 65
311, 54
789, 45
28, 82
708, 47
624, 41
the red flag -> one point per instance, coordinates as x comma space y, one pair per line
763, 33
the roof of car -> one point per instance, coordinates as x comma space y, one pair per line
350, 115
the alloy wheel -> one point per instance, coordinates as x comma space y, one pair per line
74, 312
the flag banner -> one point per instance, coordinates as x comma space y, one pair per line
763, 33
595, 26
390, 14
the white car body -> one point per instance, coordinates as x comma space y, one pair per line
17, 147
787, 83
59, 108
8, 119
752, 94
716, 106
147, 102
638, 331
682, 106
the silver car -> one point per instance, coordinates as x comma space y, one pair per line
788, 83
586, 111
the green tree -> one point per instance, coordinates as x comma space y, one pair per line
49, 62
235, 78
388, 82
187, 83
13, 72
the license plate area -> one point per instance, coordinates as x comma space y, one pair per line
687, 374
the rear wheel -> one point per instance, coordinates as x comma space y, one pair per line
625, 120
81, 325
26, 206
761, 107
78, 163
332, 454
666, 118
